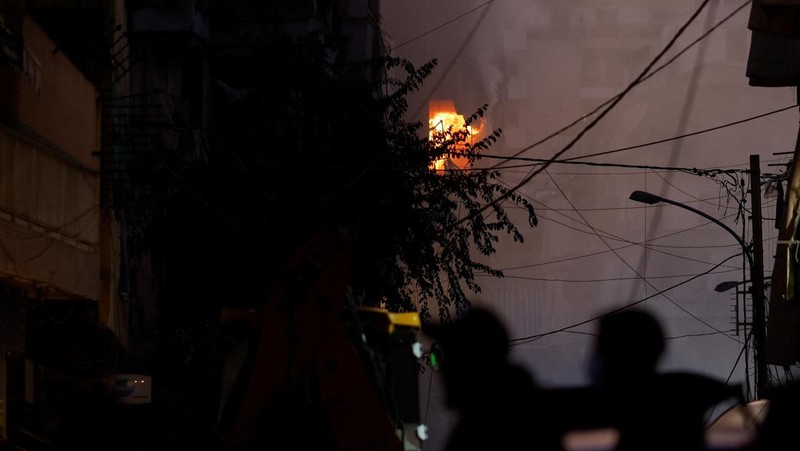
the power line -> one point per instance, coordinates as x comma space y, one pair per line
505, 168
428, 402
455, 58
653, 248
716, 246
638, 207
440, 26
682, 257
576, 229
544, 162
534, 337
740, 207
706, 334
611, 279
591, 125
615, 238
685, 135
578, 332
736, 363
608, 235
644, 279
605, 234
534, 162
657, 70
722, 169
675, 187
578, 257
516, 157
748, 164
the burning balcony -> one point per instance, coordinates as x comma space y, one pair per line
449, 129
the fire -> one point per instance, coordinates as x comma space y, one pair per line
442, 121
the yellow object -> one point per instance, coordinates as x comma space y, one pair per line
405, 319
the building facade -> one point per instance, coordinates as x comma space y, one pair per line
59, 259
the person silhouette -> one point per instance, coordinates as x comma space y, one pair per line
497, 401
650, 410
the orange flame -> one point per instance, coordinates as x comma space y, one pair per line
443, 120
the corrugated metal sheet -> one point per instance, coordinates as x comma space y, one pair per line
49, 218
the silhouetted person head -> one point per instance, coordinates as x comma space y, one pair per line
469, 351
498, 404
628, 347
651, 410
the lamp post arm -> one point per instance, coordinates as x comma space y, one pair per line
745, 247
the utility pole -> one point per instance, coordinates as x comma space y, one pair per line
757, 280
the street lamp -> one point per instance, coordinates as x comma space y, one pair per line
727, 285
756, 276
650, 199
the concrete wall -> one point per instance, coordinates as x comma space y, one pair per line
55, 99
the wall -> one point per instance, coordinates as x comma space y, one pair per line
48, 217
56, 100
49, 184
